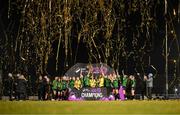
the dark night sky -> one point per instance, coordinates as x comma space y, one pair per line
157, 58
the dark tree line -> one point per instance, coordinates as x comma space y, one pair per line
120, 33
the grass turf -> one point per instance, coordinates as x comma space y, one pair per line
90, 107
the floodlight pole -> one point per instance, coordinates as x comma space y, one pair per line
166, 48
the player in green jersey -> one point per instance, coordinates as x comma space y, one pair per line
54, 87
81, 78
71, 82
59, 89
86, 81
115, 85
107, 84
133, 84
124, 84
64, 88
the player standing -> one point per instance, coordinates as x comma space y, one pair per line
107, 84
71, 82
92, 82
115, 86
77, 83
64, 88
59, 89
124, 83
54, 88
133, 84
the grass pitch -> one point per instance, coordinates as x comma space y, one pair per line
90, 107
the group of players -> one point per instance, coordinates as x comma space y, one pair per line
59, 87
62, 85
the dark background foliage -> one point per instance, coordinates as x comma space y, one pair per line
49, 36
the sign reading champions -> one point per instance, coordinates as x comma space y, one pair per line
90, 93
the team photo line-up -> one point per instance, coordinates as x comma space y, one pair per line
59, 87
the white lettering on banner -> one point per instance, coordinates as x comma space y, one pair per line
96, 95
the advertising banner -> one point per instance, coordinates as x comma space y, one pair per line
90, 93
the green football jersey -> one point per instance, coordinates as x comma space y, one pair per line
124, 81
115, 83
71, 84
64, 85
54, 84
59, 85
107, 82
86, 81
